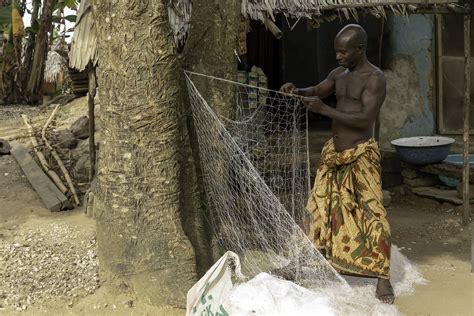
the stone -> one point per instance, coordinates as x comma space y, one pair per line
390, 162
438, 194
410, 173
82, 168
421, 182
391, 179
80, 128
387, 198
65, 139
81, 149
88, 201
402, 190
4, 147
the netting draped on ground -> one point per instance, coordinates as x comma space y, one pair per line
256, 175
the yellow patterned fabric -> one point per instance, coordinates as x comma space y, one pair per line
348, 219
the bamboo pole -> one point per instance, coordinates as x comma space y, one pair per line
467, 106
42, 159
58, 159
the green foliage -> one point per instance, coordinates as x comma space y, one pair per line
10, 19
71, 4
71, 18
6, 19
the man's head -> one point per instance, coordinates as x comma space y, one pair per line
350, 45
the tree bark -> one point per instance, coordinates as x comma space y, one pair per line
30, 45
139, 195
210, 50
34, 88
8, 62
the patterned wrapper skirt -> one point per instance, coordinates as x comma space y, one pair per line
348, 220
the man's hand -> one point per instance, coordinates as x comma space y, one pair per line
289, 88
314, 104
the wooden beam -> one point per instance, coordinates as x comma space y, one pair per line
52, 197
439, 71
349, 5
467, 109
442, 10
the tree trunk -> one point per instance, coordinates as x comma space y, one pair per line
209, 50
34, 88
8, 65
139, 195
30, 45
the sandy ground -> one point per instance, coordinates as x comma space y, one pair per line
429, 233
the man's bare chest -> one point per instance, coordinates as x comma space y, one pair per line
350, 86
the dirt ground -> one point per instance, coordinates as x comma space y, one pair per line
62, 244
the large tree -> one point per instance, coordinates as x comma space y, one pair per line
34, 86
149, 206
213, 37
139, 196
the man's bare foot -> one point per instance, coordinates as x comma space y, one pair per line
384, 291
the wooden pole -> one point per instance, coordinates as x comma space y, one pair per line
41, 157
90, 101
57, 158
377, 119
467, 106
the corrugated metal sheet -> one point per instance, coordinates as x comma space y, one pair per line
84, 39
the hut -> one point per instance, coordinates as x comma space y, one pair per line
421, 59
56, 69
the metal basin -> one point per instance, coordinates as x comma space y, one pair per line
423, 150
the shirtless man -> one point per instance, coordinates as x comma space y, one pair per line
359, 87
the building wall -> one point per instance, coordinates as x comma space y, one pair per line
409, 106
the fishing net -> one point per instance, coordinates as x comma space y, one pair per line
256, 175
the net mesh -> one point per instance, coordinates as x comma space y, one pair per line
256, 176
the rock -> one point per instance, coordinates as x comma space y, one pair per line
421, 182
391, 179
81, 169
80, 128
65, 139
4, 147
390, 162
438, 194
402, 190
81, 149
89, 199
387, 198
410, 173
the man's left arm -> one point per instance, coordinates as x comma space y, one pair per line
371, 99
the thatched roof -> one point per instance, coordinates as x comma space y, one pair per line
84, 42
56, 65
179, 14
84, 39
314, 9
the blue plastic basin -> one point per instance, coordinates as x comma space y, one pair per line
457, 160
